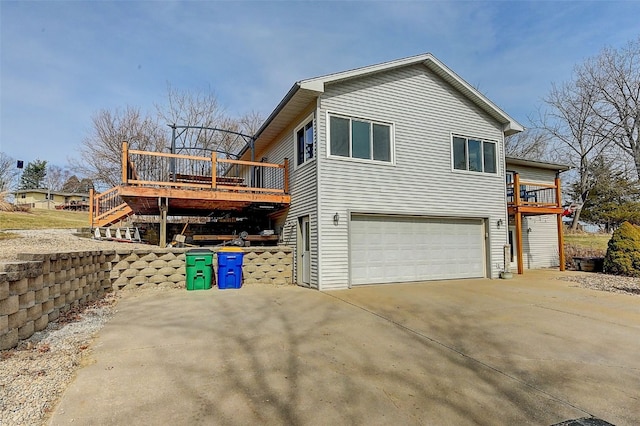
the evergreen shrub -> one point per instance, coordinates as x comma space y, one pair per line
623, 252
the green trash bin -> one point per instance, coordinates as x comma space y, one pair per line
199, 269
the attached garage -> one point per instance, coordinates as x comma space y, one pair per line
389, 249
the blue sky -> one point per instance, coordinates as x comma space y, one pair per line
62, 61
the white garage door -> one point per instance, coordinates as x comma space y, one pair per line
387, 249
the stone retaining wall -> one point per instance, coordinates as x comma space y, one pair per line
36, 289
166, 267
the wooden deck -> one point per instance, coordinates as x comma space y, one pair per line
155, 183
531, 199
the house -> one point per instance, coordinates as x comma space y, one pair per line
45, 199
540, 210
396, 174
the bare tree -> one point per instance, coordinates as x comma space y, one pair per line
580, 135
100, 151
532, 144
250, 122
56, 177
198, 109
614, 78
8, 172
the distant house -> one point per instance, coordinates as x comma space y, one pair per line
44, 199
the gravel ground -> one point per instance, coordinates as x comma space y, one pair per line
34, 375
604, 282
53, 240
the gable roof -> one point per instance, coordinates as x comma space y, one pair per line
305, 91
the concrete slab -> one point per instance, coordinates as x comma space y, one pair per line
531, 350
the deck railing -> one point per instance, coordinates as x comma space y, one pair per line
533, 194
159, 169
106, 207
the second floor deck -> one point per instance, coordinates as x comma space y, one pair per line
533, 198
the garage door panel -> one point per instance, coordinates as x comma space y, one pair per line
400, 249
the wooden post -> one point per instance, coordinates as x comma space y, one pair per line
286, 176
91, 195
125, 161
516, 189
163, 221
518, 217
560, 227
214, 169
519, 242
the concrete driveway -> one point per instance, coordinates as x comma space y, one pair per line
532, 350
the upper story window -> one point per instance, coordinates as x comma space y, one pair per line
304, 142
510, 176
357, 138
474, 155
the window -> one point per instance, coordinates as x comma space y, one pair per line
474, 155
356, 138
304, 142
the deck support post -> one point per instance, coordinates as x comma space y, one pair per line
519, 242
559, 222
518, 217
91, 215
162, 203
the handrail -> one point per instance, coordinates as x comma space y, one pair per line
168, 155
162, 169
532, 194
250, 163
105, 204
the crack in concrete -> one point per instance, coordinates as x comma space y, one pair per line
465, 355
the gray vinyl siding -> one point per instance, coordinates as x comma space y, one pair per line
533, 174
540, 245
302, 187
425, 111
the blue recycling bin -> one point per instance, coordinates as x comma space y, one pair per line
230, 267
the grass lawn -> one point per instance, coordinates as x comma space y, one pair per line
588, 241
7, 235
42, 219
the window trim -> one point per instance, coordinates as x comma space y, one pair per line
351, 118
310, 118
466, 150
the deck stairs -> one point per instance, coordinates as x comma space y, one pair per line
109, 208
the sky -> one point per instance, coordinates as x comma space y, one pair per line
61, 62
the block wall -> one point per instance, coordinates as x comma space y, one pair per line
38, 287
166, 267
